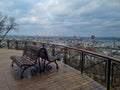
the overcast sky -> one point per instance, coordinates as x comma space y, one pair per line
64, 17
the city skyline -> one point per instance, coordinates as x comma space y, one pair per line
64, 18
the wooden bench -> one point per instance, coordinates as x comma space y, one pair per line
43, 54
28, 59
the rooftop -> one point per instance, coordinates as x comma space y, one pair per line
66, 78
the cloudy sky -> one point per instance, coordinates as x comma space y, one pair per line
64, 17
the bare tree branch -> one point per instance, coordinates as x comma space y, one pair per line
2, 23
6, 25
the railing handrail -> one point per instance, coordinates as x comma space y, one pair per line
86, 51
74, 48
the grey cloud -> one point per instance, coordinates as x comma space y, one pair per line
65, 17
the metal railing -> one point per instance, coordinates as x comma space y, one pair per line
103, 69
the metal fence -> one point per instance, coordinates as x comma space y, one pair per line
103, 69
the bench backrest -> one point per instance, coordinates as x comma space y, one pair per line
43, 53
31, 52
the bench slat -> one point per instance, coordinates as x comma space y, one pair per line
29, 58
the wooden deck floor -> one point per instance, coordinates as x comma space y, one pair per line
65, 78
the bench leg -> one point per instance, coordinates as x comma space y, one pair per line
44, 66
34, 71
57, 67
36, 68
47, 67
39, 65
12, 64
21, 76
47, 64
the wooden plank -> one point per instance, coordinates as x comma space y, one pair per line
63, 79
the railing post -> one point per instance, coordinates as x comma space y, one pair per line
16, 44
8, 44
53, 50
65, 55
43, 45
112, 73
34, 43
25, 43
105, 71
82, 62
108, 74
